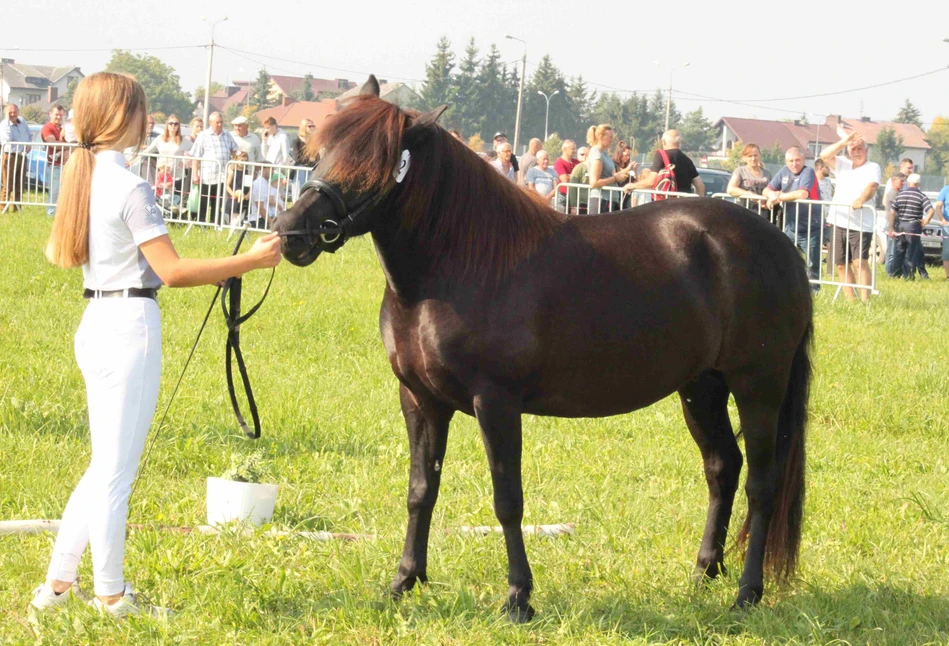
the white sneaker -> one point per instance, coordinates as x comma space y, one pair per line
45, 599
129, 604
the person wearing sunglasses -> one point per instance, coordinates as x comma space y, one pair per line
167, 146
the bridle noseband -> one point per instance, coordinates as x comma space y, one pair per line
331, 235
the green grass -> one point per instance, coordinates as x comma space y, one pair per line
874, 562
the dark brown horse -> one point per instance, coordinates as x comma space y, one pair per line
496, 306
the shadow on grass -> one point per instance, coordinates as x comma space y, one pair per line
855, 614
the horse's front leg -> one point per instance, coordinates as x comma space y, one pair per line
500, 421
427, 424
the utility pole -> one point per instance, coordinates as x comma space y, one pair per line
547, 113
669, 96
520, 92
207, 84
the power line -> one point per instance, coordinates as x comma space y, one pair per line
310, 64
102, 49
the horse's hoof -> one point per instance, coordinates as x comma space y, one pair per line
517, 615
747, 599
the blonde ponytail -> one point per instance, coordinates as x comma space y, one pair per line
110, 114
68, 244
595, 133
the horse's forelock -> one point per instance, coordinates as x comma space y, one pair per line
363, 140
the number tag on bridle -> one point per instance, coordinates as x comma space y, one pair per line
399, 173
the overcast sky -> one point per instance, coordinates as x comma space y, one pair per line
756, 51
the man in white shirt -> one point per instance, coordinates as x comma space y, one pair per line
247, 142
857, 183
13, 129
212, 150
276, 145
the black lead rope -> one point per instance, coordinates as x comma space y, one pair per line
233, 343
231, 304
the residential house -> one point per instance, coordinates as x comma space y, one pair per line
38, 85
291, 113
289, 86
813, 138
398, 93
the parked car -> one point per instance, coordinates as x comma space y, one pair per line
933, 236
716, 181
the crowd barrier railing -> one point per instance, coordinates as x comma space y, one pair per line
180, 198
839, 244
577, 200
256, 193
31, 174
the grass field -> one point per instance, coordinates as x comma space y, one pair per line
874, 564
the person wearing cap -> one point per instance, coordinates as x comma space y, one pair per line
499, 139
909, 213
247, 142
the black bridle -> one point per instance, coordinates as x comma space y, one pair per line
331, 234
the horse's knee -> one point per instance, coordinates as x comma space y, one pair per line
422, 495
509, 512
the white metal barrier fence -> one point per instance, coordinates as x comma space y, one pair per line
838, 243
181, 199
255, 193
576, 198
31, 174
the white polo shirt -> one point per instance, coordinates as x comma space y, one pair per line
122, 215
851, 182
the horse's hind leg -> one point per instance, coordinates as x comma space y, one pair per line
759, 398
427, 424
500, 421
705, 404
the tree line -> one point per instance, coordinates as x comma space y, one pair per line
481, 91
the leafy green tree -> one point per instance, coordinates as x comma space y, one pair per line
889, 145
439, 86
160, 81
938, 137
909, 113
696, 132
772, 155
199, 91
466, 115
34, 114
552, 146
581, 103
547, 79
67, 98
305, 91
492, 97
260, 91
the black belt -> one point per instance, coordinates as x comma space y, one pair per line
131, 292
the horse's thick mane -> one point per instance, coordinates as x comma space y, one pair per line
460, 211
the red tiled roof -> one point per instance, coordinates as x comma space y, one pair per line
768, 133
290, 116
913, 136
290, 84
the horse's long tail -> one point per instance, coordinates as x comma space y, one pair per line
784, 531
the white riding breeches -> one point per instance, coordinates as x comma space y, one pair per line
118, 348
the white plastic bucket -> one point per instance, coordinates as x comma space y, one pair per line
229, 500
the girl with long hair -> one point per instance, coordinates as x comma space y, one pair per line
108, 224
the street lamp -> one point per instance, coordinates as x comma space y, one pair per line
520, 91
547, 114
207, 85
669, 96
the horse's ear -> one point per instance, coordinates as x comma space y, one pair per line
370, 87
431, 117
